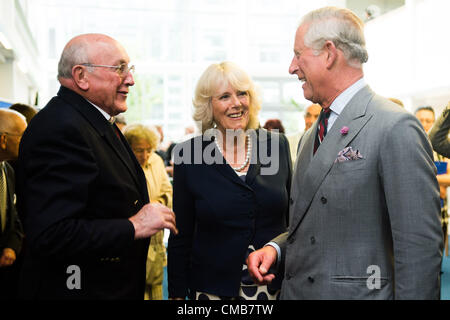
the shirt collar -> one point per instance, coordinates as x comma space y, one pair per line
341, 101
103, 112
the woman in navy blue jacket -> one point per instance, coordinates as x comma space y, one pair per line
231, 192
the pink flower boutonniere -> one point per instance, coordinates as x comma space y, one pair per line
344, 130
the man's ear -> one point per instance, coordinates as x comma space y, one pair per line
332, 54
3, 141
80, 77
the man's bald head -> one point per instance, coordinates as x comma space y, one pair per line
12, 126
97, 67
311, 115
79, 50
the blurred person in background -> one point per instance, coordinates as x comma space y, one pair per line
28, 111
427, 118
143, 141
12, 126
311, 115
120, 121
397, 101
439, 133
274, 124
165, 150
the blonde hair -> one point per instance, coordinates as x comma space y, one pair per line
135, 132
397, 101
210, 81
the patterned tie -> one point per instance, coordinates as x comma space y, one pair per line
322, 127
3, 197
115, 129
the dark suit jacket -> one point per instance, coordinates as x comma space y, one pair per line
12, 236
439, 133
77, 187
219, 216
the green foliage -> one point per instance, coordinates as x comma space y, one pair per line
146, 99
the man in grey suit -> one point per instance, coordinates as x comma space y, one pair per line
364, 212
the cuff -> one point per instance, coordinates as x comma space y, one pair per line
277, 247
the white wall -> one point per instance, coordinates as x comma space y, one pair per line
408, 54
21, 71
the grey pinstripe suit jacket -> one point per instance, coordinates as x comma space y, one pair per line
367, 228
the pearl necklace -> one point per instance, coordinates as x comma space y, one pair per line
247, 156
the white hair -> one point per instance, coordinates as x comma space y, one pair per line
342, 27
72, 55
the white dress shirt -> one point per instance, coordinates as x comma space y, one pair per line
103, 112
342, 100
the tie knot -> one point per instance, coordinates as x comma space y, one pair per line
327, 112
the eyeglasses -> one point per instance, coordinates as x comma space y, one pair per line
122, 69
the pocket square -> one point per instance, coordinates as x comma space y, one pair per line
348, 154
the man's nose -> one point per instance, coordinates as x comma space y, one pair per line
129, 79
293, 68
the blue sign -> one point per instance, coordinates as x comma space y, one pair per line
4, 104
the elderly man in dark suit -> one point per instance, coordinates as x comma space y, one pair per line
12, 126
365, 212
82, 194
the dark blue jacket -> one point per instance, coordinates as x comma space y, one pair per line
219, 215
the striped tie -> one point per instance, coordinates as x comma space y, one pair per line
322, 127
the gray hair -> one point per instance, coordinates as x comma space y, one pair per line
76, 53
342, 27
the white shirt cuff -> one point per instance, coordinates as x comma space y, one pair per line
277, 247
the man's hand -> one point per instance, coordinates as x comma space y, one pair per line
259, 262
152, 218
8, 257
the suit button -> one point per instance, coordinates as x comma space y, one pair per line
291, 201
291, 240
313, 240
288, 276
311, 279
324, 200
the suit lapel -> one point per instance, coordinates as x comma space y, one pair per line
123, 150
305, 149
255, 164
104, 128
311, 174
223, 168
